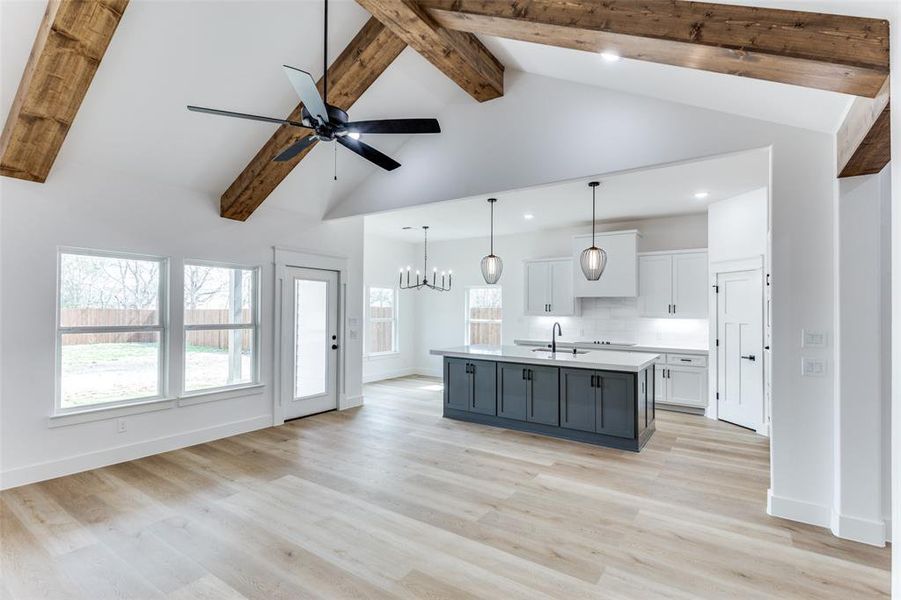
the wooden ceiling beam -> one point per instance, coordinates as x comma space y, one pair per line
71, 41
862, 142
459, 55
363, 60
824, 51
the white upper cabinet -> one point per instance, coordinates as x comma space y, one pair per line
549, 287
690, 285
673, 285
620, 277
655, 285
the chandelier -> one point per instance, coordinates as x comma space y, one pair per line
422, 279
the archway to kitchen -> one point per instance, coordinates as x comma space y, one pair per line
673, 234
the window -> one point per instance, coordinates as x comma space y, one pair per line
221, 326
483, 315
381, 333
111, 332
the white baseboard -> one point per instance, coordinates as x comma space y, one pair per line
430, 372
351, 402
798, 510
370, 377
102, 458
865, 531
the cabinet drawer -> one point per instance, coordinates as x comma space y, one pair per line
687, 360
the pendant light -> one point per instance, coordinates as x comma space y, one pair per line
492, 266
593, 259
419, 284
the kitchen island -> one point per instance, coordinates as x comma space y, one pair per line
603, 397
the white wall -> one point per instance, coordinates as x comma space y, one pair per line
863, 381
737, 227
896, 298
381, 259
620, 131
441, 316
79, 206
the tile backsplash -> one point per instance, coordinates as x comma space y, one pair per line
617, 320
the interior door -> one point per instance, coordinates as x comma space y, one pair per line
312, 341
690, 285
655, 290
740, 355
537, 286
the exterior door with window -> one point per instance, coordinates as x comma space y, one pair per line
311, 341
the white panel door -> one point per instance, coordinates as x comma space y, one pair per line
561, 288
686, 386
538, 284
620, 277
312, 341
655, 290
690, 285
740, 352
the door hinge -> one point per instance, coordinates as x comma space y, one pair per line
768, 279
716, 289
717, 395
717, 343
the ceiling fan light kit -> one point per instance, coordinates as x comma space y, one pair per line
593, 260
492, 266
329, 123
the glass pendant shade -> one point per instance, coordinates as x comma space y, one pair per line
593, 261
492, 267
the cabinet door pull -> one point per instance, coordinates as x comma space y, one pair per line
674, 309
530, 374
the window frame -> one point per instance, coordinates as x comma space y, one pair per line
466, 313
162, 328
395, 321
254, 326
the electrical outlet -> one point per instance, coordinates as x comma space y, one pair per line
813, 367
121, 426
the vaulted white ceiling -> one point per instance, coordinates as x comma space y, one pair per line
228, 54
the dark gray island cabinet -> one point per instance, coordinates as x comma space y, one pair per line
594, 405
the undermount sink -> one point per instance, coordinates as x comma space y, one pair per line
561, 351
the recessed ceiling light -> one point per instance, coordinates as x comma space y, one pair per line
528, 216
701, 195
610, 56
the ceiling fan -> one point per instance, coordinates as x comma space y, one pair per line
329, 123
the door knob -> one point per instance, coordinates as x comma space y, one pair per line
334, 346
750, 357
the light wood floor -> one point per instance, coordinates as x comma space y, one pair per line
391, 500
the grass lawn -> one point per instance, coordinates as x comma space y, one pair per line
107, 372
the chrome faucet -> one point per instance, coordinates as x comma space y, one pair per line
554, 331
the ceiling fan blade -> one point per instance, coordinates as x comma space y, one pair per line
369, 153
394, 126
228, 113
306, 88
295, 148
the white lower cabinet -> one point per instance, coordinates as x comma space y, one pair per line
681, 380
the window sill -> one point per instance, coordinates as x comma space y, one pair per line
203, 396
103, 413
382, 355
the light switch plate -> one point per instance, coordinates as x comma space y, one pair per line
813, 339
813, 367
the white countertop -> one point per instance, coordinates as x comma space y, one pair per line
608, 360
674, 347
